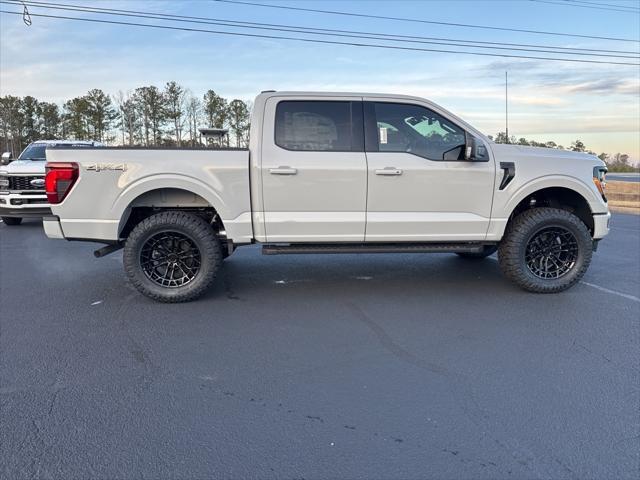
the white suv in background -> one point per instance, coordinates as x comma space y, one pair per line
22, 190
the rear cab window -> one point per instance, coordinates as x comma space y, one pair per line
319, 126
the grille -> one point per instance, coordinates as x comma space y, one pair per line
23, 183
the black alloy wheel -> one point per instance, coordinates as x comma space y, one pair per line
172, 256
545, 250
170, 259
551, 252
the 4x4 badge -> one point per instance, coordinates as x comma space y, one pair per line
98, 167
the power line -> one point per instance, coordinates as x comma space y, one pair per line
311, 29
415, 20
572, 4
304, 30
603, 4
600, 6
310, 40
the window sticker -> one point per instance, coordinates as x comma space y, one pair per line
383, 135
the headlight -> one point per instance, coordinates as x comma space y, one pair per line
599, 179
4, 182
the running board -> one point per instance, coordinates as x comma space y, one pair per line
299, 248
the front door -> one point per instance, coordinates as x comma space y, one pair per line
421, 188
314, 173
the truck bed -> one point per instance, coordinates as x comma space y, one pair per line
112, 181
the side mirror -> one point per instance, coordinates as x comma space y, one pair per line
6, 158
469, 147
474, 149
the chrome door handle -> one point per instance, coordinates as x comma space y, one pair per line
389, 171
283, 171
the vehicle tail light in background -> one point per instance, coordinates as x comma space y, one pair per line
599, 178
60, 178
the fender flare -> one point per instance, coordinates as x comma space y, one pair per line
160, 181
552, 181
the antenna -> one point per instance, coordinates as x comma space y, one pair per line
506, 104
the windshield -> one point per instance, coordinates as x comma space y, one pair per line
37, 151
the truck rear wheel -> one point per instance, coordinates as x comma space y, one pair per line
172, 256
12, 220
545, 250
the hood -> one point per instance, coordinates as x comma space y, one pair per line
27, 167
508, 150
532, 163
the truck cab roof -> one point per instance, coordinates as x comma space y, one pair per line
67, 142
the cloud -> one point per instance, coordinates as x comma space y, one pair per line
511, 65
57, 60
539, 100
607, 86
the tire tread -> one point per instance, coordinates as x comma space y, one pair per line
516, 235
12, 221
197, 227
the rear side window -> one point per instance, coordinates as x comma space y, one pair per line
319, 126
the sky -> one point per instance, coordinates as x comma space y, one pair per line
55, 60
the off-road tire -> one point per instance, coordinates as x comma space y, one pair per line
189, 225
512, 249
12, 221
486, 251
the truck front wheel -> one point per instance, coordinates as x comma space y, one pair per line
11, 221
545, 250
172, 256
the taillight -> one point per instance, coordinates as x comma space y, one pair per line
59, 180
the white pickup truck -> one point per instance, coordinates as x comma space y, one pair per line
333, 173
22, 181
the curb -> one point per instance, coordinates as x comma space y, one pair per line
632, 210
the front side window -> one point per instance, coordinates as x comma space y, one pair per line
314, 126
418, 130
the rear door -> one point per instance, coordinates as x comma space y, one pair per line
314, 172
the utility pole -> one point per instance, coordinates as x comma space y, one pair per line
506, 104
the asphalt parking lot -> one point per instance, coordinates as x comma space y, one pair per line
356, 366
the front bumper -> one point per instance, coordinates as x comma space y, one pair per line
601, 225
37, 212
20, 205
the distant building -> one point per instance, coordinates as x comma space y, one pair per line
216, 137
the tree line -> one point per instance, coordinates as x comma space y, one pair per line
147, 116
618, 162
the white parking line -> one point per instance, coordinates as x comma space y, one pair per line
613, 292
598, 287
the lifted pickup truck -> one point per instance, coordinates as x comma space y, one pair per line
333, 173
